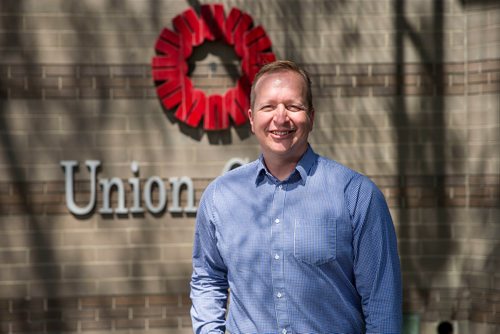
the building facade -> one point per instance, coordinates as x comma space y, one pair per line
406, 92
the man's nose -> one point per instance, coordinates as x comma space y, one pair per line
280, 114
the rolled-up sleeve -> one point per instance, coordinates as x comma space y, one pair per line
209, 286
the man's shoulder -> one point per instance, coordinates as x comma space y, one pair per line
239, 175
337, 168
339, 173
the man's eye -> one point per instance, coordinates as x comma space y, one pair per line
267, 107
294, 107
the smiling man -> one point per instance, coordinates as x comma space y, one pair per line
304, 244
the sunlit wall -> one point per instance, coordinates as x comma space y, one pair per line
406, 92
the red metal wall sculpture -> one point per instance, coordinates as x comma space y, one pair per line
170, 69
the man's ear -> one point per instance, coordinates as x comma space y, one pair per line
250, 118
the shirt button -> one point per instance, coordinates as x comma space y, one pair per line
280, 187
277, 221
283, 331
279, 295
276, 257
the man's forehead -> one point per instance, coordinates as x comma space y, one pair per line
276, 78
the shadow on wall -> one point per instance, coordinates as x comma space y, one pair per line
39, 237
7, 143
431, 116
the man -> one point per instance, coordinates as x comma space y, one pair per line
304, 244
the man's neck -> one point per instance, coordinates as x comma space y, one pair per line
280, 169
281, 166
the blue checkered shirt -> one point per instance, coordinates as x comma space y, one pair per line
315, 253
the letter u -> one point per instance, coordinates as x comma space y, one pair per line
69, 166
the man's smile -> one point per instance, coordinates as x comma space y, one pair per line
281, 133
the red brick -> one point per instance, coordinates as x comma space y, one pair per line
52, 82
354, 91
130, 324
415, 68
353, 69
163, 300
149, 312
420, 90
164, 323
491, 65
55, 209
101, 302
20, 93
127, 93
474, 89
31, 304
23, 273
474, 66
454, 180
409, 80
427, 231
61, 326
455, 202
103, 82
436, 247
454, 90
55, 187
45, 315
60, 70
140, 83
370, 81
389, 69
62, 303
97, 325
490, 88
130, 71
30, 70
91, 93
68, 82
454, 68
13, 256
130, 301
328, 81
78, 314
484, 179
479, 202
477, 78
119, 313
5, 305
384, 91
178, 310
15, 316
186, 322
27, 326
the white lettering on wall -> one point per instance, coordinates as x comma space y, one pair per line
154, 183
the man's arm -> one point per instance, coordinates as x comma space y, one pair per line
376, 263
209, 286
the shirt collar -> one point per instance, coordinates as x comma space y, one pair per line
303, 166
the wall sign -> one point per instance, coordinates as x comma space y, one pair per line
139, 196
170, 69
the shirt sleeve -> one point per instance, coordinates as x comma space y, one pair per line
376, 261
209, 286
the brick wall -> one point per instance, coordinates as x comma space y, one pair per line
406, 92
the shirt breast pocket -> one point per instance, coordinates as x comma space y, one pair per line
315, 240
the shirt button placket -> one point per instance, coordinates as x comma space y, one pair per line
277, 244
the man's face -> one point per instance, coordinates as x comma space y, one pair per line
279, 117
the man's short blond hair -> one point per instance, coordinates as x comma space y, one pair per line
284, 66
